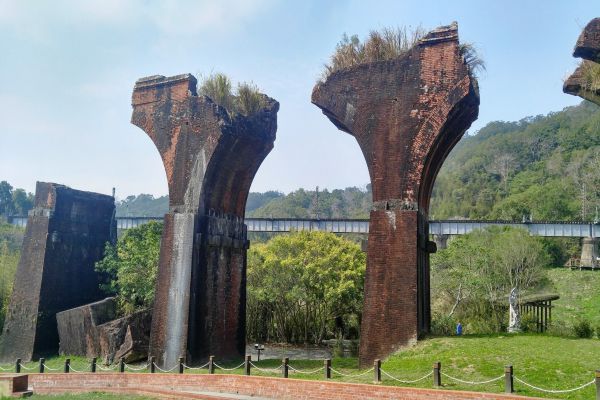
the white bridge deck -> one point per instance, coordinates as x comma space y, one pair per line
361, 226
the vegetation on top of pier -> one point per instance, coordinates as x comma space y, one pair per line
246, 100
387, 44
591, 75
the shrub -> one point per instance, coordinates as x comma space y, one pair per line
598, 331
528, 323
247, 100
583, 329
129, 268
559, 330
443, 325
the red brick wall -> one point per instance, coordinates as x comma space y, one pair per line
276, 388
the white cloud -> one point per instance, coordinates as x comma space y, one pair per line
173, 18
193, 17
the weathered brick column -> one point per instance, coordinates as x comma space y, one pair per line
406, 114
210, 159
66, 233
587, 48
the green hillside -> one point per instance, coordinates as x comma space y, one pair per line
546, 167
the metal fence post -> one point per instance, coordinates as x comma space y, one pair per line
67, 365
508, 379
152, 364
181, 365
93, 367
211, 364
286, 367
247, 364
121, 365
327, 368
437, 376
18, 366
42, 361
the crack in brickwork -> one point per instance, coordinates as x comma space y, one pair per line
406, 114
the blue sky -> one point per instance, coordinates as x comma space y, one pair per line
67, 69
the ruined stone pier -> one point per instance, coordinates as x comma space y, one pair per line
210, 157
588, 49
406, 114
581, 84
66, 233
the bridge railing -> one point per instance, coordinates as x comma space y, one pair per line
361, 226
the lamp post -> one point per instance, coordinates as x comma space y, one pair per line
259, 348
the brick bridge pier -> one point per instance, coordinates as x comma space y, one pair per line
406, 114
210, 158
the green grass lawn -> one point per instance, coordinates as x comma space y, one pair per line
542, 360
546, 361
579, 296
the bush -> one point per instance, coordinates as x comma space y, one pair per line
247, 100
583, 329
443, 325
129, 268
528, 323
598, 331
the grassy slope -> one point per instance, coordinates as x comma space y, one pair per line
546, 361
579, 296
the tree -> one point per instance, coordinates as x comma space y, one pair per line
303, 287
22, 201
11, 238
130, 267
6, 201
473, 277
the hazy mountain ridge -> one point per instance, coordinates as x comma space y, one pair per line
547, 167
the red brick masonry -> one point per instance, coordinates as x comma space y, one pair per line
406, 114
184, 386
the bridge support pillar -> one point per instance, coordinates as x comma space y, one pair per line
66, 234
407, 114
589, 252
441, 241
210, 156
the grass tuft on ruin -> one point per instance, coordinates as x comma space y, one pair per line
245, 100
591, 76
388, 44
